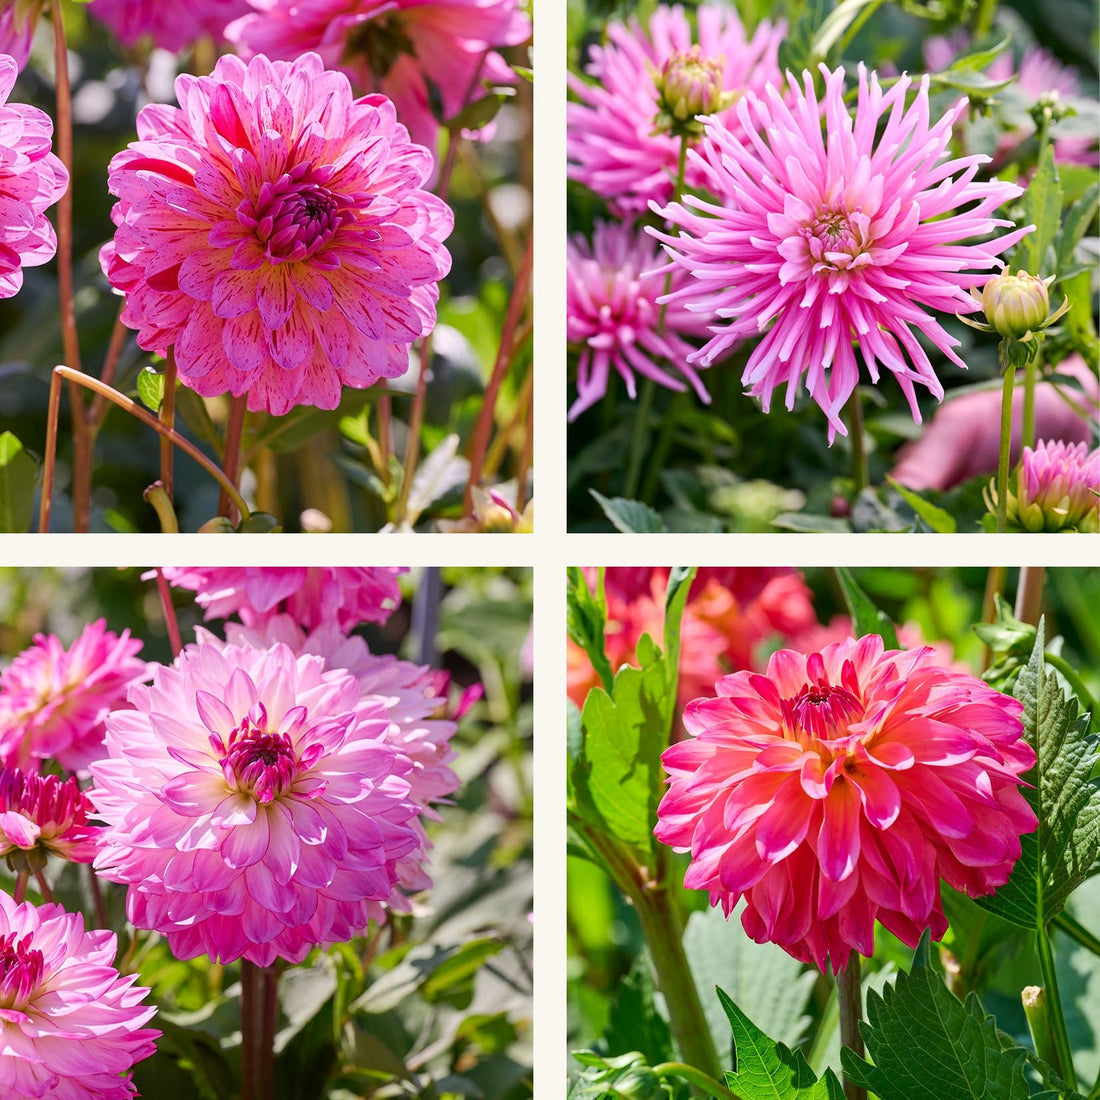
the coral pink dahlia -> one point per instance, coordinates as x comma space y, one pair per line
613, 317
835, 234
71, 1026
32, 179
310, 595
615, 143
417, 52
839, 787
169, 26
274, 231
53, 700
253, 807
40, 815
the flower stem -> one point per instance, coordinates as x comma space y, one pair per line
1062, 1049
1029, 593
860, 477
850, 1000
1031, 372
171, 623
155, 496
97, 899
696, 1077
1070, 926
983, 22
1074, 679
20, 894
44, 886
638, 438
416, 422
856, 26
1006, 439
231, 459
526, 453
258, 1005
49, 462
168, 419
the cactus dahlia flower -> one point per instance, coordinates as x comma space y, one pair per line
618, 142
53, 700
311, 595
32, 179
839, 787
169, 26
274, 231
413, 51
70, 1025
254, 807
831, 231
41, 815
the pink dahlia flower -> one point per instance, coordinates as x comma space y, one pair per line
53, 700
71, 1026
613, 143
410, 50
1057, 488
839, 787
311, 595
17, 23
613, 316
32, 179
170, 26
824, 239
274, 231
40, 815
254, 808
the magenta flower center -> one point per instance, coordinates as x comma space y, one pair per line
838, 240
822, 711
21, 970
259, 763
293, 218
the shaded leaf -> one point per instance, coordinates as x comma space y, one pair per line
1043, 209
18, 480
936, 518
586, 621
866, 617
630, 516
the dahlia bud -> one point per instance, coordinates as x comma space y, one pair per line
689, 85
1016, 304
1057, 488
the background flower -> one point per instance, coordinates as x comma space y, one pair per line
838, 788
40, 815
71, 1026
170, 26
1057, 488
17, 23
274, 231
32, 179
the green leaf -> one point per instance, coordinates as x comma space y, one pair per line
866, 618
150, 388
676, 594
630, 516
767, 1070
807, 522
1078, 321
624, 1077
18, 480
586, 621
452, 982
928, 1045
936, 518
634, 1022
1077, 218
1043, 209
1058, 856
835, 24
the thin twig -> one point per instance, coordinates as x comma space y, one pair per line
231, 462
526, 454
170, 621
99, 407
49, 464
168, 419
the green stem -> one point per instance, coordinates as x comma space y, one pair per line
850, 1001
157, 496
1031, 374
1006, 439
1075, 682
1062, 1046
983, 22
1073, 928
1034, 1000
856, 26
860, 476
637, 442
695, 1077
669, 423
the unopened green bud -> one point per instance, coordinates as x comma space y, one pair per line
1016, 304
688, 85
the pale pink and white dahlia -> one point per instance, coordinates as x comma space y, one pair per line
310, 595
1057, 488
275, 232
839, 787
170, 26
414, 51
53, 700
832, 231
71, 1026
32, 179
254, 808
42, 816
614, 143
613, 318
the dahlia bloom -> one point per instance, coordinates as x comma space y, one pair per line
822, 239
274, 231
17, 23
311, 595
409, 50
1057, 488
172, 27
71, 1026
838, 788
53, 700
254, 808
32, 179
614, 142
612, 315
40, 815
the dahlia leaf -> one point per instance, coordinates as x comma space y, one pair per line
1042, 209
1058, 856
150, 388
866, 617
676, 594
1075, 222
18, 479
1078, 322
929, 1045
632, 517
586, 620
936, 518
767, 1070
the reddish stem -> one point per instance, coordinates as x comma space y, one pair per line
49, 465
168, 419
170, 620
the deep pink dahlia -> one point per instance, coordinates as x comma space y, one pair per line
413, 51
613, 317
71, 1026
825, 237
614, 143
169, 26
253, 806
17, 23
40, 815
839, 787
311, 595
53, 700
32, 179
274, 230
